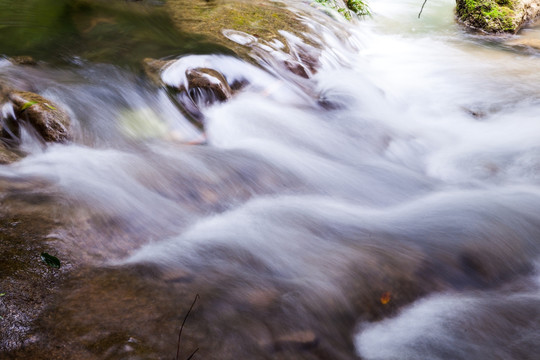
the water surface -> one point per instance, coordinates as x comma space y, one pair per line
384, 207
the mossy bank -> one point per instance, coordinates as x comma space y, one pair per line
497, 16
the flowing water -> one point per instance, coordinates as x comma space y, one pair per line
385, 207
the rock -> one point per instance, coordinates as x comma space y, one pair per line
527, 43
211, 81
298, 340
7, 156
250, 29
23, 60
154, 67
198, 87
204, 87
49, 121
264, 18
345, 7
497, 16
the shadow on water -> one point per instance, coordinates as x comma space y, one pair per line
116, 32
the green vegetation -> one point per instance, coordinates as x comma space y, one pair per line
488, 15
27, 104
261, 19
50, 260
358, 7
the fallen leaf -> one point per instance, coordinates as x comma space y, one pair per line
386, 297
27, 104
50, 260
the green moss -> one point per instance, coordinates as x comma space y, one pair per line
489, 15
262, 19
358, 7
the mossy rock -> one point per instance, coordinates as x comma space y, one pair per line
22, 60
497, 16
153, 68
262, 19
49, 121
346, 7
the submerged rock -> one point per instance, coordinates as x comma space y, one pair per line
497, 16
23, 60
532, 44
251, 29
154, 67
301, 340
263, 19
49, 121
7, 156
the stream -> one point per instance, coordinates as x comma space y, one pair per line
381, 203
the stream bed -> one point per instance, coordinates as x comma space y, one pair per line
370, 190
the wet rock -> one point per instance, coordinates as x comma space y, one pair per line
345, 8
497, 16
26, 282
525, 43
304, 339
199, 87
49, 121
23, 60
297, 68
251, 29
8, 156
208, 80
154, 67
263, 19
211, 81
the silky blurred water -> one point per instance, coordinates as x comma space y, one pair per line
407, 163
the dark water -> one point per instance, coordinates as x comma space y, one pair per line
113, 32
382, 203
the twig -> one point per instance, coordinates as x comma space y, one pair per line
422, 9
182, 327
190, 356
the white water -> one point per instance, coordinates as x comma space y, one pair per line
398, 177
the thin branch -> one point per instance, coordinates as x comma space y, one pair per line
190, 356
422, 9
182, 328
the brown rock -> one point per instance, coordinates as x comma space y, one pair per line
50, 122
211, 80
23, 60
154, 67
7, 156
